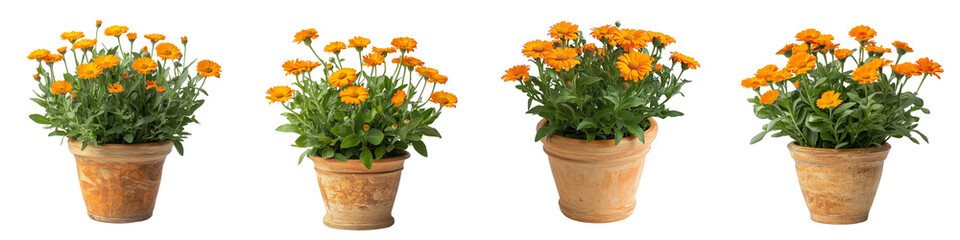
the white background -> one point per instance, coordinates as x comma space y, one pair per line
486, 177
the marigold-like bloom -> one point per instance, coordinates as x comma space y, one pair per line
85, 44
518, 72
796, 84
808, 35
902, 47
160, 89
862, 33
631, 39
865, 74
877, 63
562, 58
823, 40
62, 50
685, 61
785, 49
381, 51
427, 72
564, 30
404, 44
829, 99
305, 35
927, 66
662, 38
150, 84
441, 79
359, 42
335, 47
145, 49
115, 88
208, 68
167, 51
53, 58
280, 94
876, 49
373, 59
107, 61
634, 65
144, 65
125, 76
769, 97
36, 76
154, 37
393, 126
88, 71
183, 39
408, 61
444, 99
366, 127
59, 87
354, 95
800, 48
72, 36
772, 73
398, 98
753, 83
605, 31
342, 77
132, 36
537, 48
99, 22
800, 63
38, 54
298, 66
907, 69
115, 30
842, 53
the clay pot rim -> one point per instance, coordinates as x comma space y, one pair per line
654, 127
796, 147
405, 155
354, 166
107, 145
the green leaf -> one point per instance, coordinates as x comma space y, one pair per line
420, 147
585, 123
542, 133
327, 152
128, 137
179, 147
40, 119
350, 141
366, 158
374, 136
378, 153
429, 131
290, 128
303, 155
758, 137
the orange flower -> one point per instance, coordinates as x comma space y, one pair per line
72, 36
444, 99
85, 44
829, 99
603, 32
537, 48
208, 68
107, 61
354, 95
73, 95
398, 98
902, 47
685, 61
366, 127
877, 63
865, 74
823, 40
115, 88
373, 59
38, 54
785, 49
305, 35
381, 51
335, 47
99, 23
769, 97
876, 49
125, 76
796, 84
36, 76
88, 71
145, 50
907, 69
927, 66
658, 67
663, 39
842, 53
393, 126
800, 63
404, 44
441, 79
144, 65
62, 50
564, 30
772, 73
408, 61
132, 36
427, 72
155, 37
52, 58
298, 66
808, 35
562, 58
359, 42
634, 65
115, 30
862, 33
753, 83
160, 89
518, 72
183, 39
631, 39
59, 87
800, 48
151, 84
167, 51
342, 77
280, 94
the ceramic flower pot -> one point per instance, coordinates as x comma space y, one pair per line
358, 198
597, 181
120, 182
839, 184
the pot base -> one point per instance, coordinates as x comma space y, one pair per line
119, 219
593, 217
835, 219
330, 222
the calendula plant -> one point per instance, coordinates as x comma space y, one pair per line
117, 95
592, 92
365, 112
842, 98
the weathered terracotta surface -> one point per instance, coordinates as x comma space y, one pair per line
358, 198
839, 184
597, 181
120, 181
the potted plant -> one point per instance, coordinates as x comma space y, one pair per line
356, 121
122, 111
598, 103
840, 107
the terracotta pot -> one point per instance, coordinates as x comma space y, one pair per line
839, 184
358, 198
120, 181
597, 181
